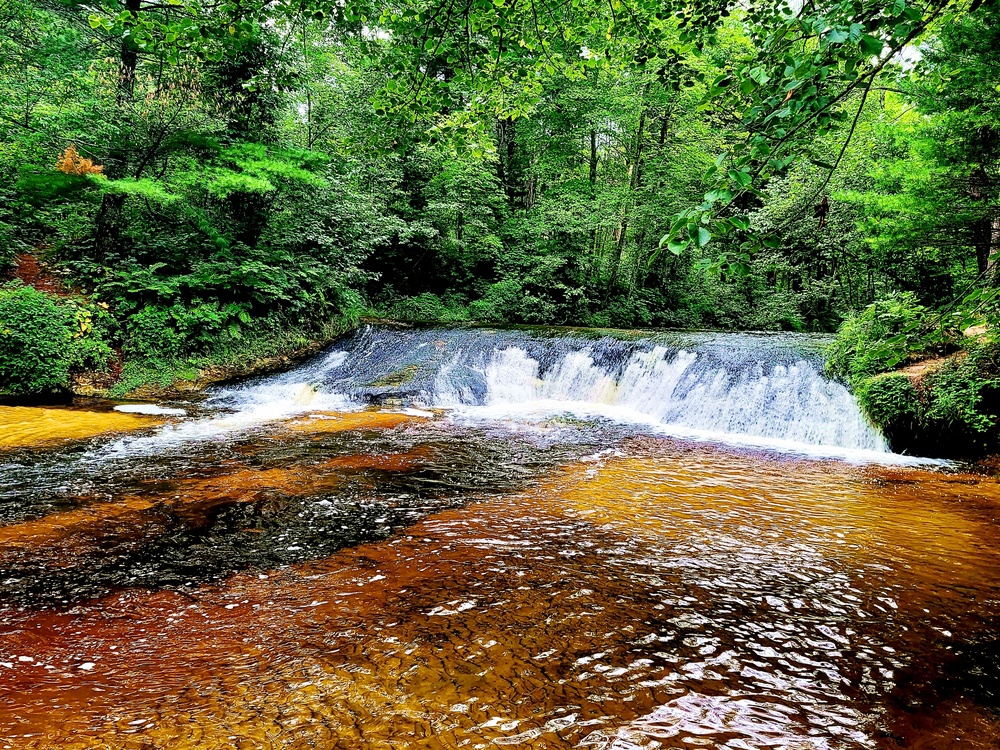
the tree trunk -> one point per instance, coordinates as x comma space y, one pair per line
593, 163
982, 240
108, 227
508, 169
635, 171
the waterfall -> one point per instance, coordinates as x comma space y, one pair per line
680, 389
764, 390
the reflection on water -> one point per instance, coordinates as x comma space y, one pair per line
27, 426
375, 581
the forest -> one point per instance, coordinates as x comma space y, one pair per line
197, 184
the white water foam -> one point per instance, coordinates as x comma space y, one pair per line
751, 397
154, 409
246, 406
781, 407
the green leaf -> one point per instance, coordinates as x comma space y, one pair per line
677, 247
837, 36
743, 179
703, 237
870, 45
95, 22
740, 269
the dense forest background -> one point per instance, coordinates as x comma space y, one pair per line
213, 179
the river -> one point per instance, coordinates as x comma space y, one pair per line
446, 538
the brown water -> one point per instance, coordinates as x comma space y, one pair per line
377, 581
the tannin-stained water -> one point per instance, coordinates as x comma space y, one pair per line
404, 579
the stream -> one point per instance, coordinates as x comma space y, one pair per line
471, 537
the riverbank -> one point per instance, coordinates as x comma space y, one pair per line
256, 353
58, 341
931, 387
946, 406
267, 353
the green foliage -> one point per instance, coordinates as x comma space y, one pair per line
427, 307
951, 410
43, 338
36, 335
271, 341
501, 302
951, 407
875, 340
963, 392
679, 163
889, 400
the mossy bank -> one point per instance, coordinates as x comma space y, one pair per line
53, 346
948, 408
936, 397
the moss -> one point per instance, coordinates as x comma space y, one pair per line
400, 377
951, 411
946, 404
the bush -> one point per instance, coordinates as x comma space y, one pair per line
428, 307
501, 302
890, 401
953, 410
36, 340
776, 312
43, 338
152, 335
874, 340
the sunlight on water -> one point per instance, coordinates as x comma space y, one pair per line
23, 426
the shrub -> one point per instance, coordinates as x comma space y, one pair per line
152, 334
427, 307
954, 410
70, 162
501, 302
36, 340
876, 339
890, 401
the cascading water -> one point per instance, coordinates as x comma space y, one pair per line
756, 389
679, 389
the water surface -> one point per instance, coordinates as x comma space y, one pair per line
286, 567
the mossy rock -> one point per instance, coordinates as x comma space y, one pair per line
889, 399
397, 378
